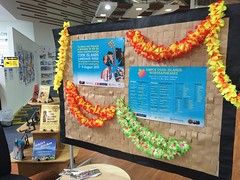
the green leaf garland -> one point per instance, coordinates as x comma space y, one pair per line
151, 143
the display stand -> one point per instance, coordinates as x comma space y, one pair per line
27, 166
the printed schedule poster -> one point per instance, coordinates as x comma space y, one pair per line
168, 94
98, 62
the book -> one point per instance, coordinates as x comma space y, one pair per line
49, 119
43, 94
35, 93
44, 149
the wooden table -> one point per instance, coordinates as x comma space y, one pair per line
29, 167
109, 172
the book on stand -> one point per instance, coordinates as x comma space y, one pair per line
44, 149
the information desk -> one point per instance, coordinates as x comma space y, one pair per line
109, 172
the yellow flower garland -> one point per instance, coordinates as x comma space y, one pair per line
62, 55
215, 62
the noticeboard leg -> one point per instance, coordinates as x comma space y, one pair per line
72, 162
72, 165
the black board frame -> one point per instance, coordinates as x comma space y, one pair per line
229, 111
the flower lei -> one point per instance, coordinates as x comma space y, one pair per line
215, 62
62, 55
77, 102
151, 143
159, 53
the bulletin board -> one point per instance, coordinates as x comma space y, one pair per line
211, 151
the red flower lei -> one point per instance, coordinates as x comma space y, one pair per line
78, 103
159, 53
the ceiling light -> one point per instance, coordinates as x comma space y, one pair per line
138, 9
99, 20
139, 16
103, 15
107, 7
168, 10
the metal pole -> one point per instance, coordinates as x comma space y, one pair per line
71, 157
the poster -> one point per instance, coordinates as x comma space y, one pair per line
49, 119
26, 66
98, 62
169, 94
43, 94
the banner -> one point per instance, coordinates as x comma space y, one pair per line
168, 94
98, 62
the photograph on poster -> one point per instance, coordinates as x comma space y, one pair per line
168, 94
98, 62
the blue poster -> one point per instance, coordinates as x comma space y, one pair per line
98, 62
168, 94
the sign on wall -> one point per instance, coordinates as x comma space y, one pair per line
168, 94
98, 62
11, 62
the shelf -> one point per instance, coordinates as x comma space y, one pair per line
55, 101
62, 155
37, 131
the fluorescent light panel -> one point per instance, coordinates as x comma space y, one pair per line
98, 20
105, 7
166, 9
135, 11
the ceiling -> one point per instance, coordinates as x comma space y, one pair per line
86, 11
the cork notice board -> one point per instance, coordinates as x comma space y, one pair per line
209, 157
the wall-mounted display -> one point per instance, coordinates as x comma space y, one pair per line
98, 62
47, 65
168, 94
26, 66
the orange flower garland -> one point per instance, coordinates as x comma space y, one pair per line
155, 52
77, 102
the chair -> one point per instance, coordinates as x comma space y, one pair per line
5, 162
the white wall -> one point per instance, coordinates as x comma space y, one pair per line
43, 34
18, 93
25, 27
3, 52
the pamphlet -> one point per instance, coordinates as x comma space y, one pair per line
44, 149
49, 119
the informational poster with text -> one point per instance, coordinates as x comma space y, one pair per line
99, 62
169, 94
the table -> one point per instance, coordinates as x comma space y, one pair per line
109, 172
